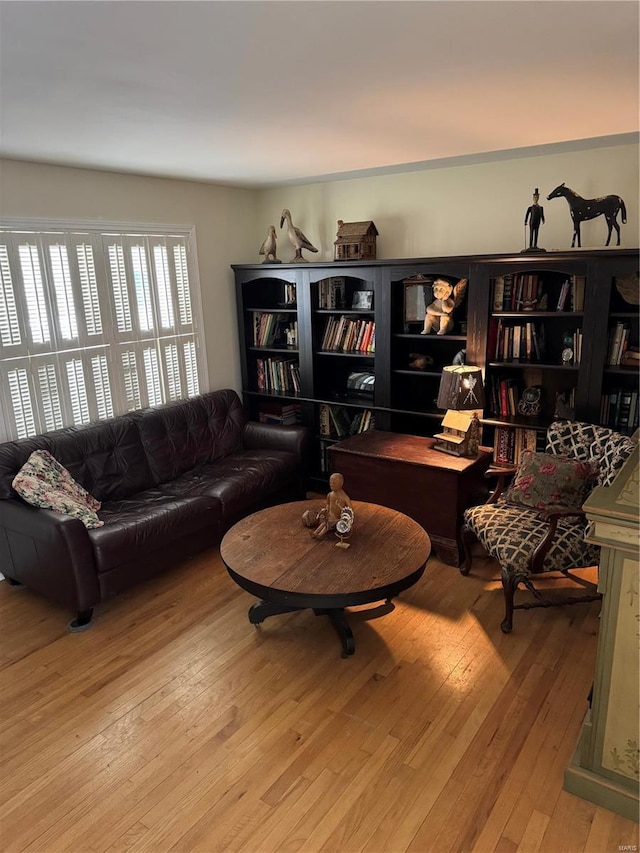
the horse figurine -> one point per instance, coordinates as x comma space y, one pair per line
588, 208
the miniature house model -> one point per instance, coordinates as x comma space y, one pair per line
356, 241
460, 434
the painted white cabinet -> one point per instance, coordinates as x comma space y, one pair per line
604, 768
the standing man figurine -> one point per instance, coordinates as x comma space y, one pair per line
534, 216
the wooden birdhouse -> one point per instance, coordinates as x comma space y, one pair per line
356, 241
460, 434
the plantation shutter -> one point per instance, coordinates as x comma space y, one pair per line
93, 324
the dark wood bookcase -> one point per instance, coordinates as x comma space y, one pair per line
403, 398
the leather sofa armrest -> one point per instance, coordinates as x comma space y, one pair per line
294, 439
48, 552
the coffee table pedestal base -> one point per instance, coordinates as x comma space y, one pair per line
259, 611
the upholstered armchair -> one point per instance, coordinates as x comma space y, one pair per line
536, 525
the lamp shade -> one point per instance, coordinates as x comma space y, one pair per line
461, 388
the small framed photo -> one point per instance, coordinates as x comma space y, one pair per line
362, 300
418, 294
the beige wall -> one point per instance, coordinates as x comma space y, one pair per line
437, 211
460, 210
223, 217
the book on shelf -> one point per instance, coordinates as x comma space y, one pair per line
279, 375
578, 283
272, 329
277, 413
331, 292
510, 442
343, 334
619, 409
565, 289
498, 293
288, 293
618, 343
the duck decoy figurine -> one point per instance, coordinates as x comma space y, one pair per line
268, 248
297, 238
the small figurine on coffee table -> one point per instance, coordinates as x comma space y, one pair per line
337, 500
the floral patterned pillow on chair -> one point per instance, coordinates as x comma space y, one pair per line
44, 482
545, 481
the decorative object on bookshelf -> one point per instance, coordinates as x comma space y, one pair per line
417, 295
330, 514
629, 288
534, 217
419, 362
356, 241
297, 239
268, 248
460, 357
530, 402
461, 393
582, 209
447, 297
362, 300
565, 405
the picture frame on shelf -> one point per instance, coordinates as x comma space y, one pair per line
418, 293
362, 300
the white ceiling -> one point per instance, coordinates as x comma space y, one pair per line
258, 93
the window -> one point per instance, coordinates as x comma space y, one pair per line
94, 323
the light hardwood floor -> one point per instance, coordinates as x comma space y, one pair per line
173, 724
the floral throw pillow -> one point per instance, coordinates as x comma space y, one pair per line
545, 481
44, 482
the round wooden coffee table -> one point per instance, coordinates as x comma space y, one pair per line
274, 557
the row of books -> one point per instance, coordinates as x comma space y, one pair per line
618, 343
331, 292
273, 330
287, 414
525, 292
337, 422
281, 375
504, 395
342, 334
509, 442
619, 409
523, 342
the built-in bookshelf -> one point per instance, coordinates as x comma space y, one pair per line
323, 337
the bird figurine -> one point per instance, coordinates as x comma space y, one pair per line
268, 248
297, 238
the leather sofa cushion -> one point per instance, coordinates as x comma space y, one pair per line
237, 479
136, 527
178, 437
107, 458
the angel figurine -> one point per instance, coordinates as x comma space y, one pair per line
447, 297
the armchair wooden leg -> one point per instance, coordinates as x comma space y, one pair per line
468, 537
509, 586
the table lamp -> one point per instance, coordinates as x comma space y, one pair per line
462, 394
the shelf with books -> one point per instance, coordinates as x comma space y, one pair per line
407, 365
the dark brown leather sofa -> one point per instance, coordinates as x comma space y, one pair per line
171, 480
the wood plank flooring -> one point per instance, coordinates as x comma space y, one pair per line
175, 725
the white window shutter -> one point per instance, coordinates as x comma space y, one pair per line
63, 291
9, 324
93, 324
131, 381
50, 399
34, 293
21, 402
191, 369
77, 392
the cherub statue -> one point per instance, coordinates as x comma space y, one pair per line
446, 297
337, 500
